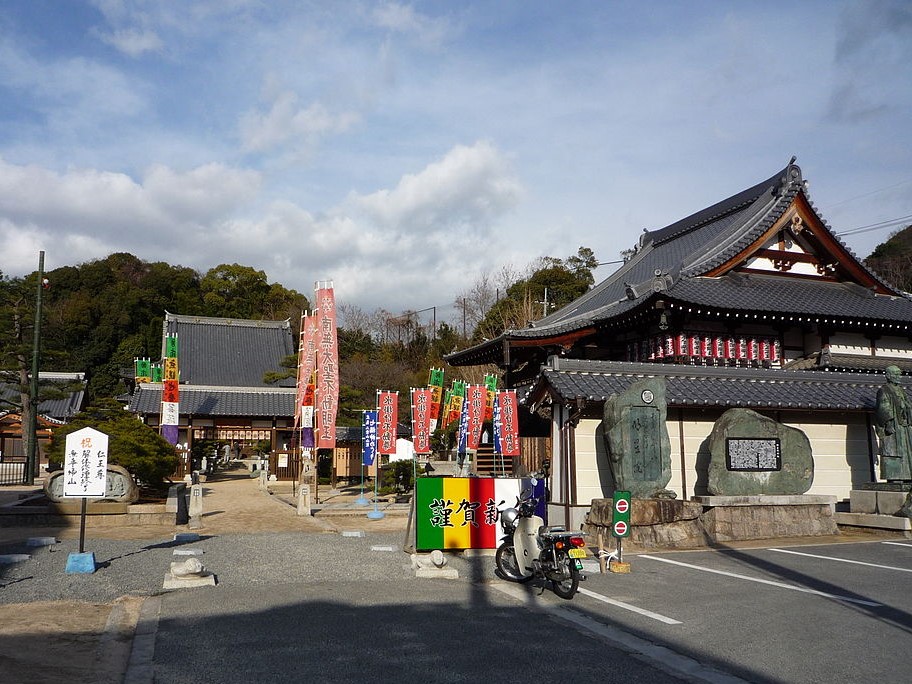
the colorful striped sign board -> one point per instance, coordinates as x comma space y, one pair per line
464, 512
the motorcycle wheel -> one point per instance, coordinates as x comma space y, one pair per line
567, 587
507, 564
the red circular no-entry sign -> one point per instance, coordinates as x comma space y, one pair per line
621, 505
620, 528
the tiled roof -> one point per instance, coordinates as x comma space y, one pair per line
229, 352
770, 293
694, 386
219, 401
671, 261
58, 409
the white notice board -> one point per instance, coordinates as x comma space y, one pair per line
85, 464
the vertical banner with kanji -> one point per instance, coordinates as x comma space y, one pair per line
506, 424
454, 406
368, 437
475, 413
462, 433
304, 396
435, 384
421, 420
387, 418
170, 413
143, 370
327, 387
85, 464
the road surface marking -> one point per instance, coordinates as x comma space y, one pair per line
897, 544
842, 560
781, 585
627, 606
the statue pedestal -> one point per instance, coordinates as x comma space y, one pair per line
876, 505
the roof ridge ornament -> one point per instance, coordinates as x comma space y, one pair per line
792, 174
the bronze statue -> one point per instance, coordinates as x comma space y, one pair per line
894, 428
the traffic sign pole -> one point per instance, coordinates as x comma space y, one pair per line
620, 527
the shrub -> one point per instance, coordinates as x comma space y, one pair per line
131, 444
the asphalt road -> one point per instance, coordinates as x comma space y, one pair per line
292, 607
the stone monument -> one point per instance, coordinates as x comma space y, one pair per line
639, 450
752, 455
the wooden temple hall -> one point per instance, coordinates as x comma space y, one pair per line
752, 302
223, 391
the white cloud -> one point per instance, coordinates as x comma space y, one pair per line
133, 41
403, 19
111, 210
469, 188
288, 123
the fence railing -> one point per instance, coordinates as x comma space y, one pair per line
13, 473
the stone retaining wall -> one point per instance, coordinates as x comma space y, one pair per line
709, 521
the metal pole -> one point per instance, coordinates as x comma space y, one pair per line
31, 458
82, 526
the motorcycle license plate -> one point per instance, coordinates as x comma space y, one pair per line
577, 553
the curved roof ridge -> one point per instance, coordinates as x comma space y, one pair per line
719, 209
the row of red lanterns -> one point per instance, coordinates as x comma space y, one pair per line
721, 349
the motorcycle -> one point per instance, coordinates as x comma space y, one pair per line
530, 550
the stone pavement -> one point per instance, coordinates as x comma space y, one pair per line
233, 503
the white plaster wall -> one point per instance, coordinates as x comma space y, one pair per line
841, 452
839, 444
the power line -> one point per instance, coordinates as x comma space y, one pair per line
868, 194
887, 223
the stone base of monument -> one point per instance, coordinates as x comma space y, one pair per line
710, 520
878, 505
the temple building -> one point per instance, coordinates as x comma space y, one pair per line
224, 394
752, 302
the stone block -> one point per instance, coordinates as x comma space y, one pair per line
888, 503
41, 541
862, 501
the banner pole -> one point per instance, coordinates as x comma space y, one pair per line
82, 526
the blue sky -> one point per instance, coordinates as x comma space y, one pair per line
403, 150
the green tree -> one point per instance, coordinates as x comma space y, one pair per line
131, 443
552, 284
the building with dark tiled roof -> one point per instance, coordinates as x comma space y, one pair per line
752, 302
223, 392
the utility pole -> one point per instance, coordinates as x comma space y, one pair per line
32, 457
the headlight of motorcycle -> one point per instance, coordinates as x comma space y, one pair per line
508, 517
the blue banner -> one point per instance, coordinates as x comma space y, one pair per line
463, 428
368, 437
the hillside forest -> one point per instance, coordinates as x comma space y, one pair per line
100, 315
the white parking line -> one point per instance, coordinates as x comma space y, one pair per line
842, 560
627, 606
898, 544
781, 585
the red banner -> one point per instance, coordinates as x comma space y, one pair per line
422, 400
327, 387
476, 395
170, 391
387, 418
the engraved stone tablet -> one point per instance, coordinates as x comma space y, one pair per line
751, 454
639, 450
